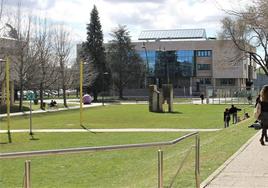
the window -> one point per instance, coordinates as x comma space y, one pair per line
203, 66
227, 81
205, 81
203, 53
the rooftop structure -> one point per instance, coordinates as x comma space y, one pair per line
173, 34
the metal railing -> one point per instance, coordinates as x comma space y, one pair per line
111, 148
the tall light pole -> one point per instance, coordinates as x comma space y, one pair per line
81, 92
104, 74
7, 63
147, 65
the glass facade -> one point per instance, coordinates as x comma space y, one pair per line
170, 66
151, 57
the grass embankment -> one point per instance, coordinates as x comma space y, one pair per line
129, 168
129, 116
118, 169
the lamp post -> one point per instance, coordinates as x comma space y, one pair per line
81, 92
147, 65
105, 73
7, 96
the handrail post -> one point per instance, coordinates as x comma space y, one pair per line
197, 161
160, 168
27, 174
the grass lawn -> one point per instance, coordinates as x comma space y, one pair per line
129, 116
116, 169
26, 107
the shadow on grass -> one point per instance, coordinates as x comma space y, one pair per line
2, 143
166, 112
33, 138
87, 129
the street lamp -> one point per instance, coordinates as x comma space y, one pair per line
147, 64
105, 73
7, 96
81, 92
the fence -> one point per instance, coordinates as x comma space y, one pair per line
160, 145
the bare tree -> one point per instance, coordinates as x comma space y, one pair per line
45, 72
21, 28
248, 29
62, 47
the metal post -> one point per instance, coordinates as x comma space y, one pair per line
81, 93
160, 168
197, 161
31, 132
8, 99
102, 96
27, 174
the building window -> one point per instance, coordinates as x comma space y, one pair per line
227, 81
205, 81
203, 66
203, 53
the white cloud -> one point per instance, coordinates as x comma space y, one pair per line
137, 15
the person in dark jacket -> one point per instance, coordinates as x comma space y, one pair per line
226, 118
263, 117
233, 110
202, 97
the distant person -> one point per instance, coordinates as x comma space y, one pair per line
53, 103
202, 98
226, 118
262, 113
246, 116
233, 110
249, 99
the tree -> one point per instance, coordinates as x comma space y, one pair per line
94, 51
44, 67
125, 63
248, 30
62, 46
21, 28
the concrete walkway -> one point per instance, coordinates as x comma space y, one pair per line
247, 168
109, 130
52, 110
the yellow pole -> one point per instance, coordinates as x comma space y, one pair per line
8, 99
81, 93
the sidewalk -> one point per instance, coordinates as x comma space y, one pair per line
247, 168
52, 110
110, 130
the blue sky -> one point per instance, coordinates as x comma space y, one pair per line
136, 14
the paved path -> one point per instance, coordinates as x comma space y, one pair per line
110, 130
52, 110
248, 168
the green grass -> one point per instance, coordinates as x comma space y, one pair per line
128, 116
13, 108
26, 107
129, 168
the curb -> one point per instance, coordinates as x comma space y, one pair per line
214, 175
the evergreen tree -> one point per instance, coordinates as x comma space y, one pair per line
94, 51
126, 65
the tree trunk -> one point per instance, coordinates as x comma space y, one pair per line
41, 97
95, 96
121, 93
63, 82
21, 97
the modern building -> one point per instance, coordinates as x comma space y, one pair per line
8, 48
187, 58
